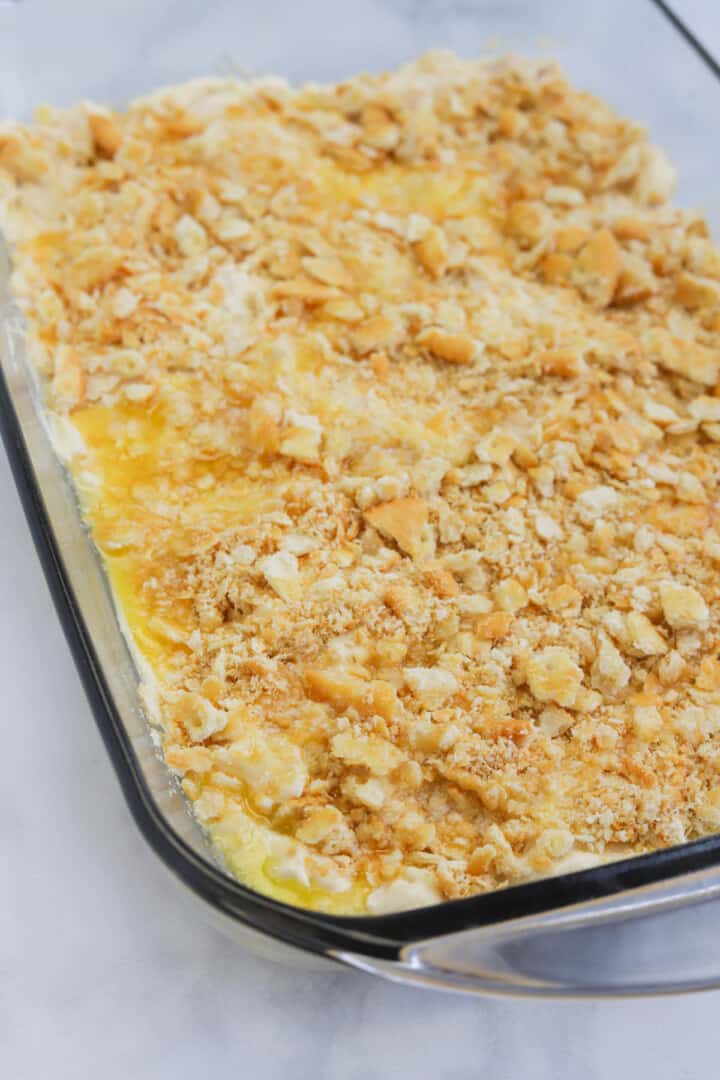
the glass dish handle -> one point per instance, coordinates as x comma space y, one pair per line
653, 940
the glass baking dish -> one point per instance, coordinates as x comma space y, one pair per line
638, 926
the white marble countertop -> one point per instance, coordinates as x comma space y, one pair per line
105, 972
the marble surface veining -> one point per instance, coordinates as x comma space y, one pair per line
104, 972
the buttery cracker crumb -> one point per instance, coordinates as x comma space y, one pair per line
403, 520
683, 606
432, 686
554, 675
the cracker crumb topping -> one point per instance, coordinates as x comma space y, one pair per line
400, 415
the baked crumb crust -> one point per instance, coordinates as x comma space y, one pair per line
400, 412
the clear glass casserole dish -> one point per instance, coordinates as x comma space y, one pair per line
642, 925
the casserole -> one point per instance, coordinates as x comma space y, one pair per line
113, 677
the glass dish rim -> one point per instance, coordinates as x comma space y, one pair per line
379, 936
